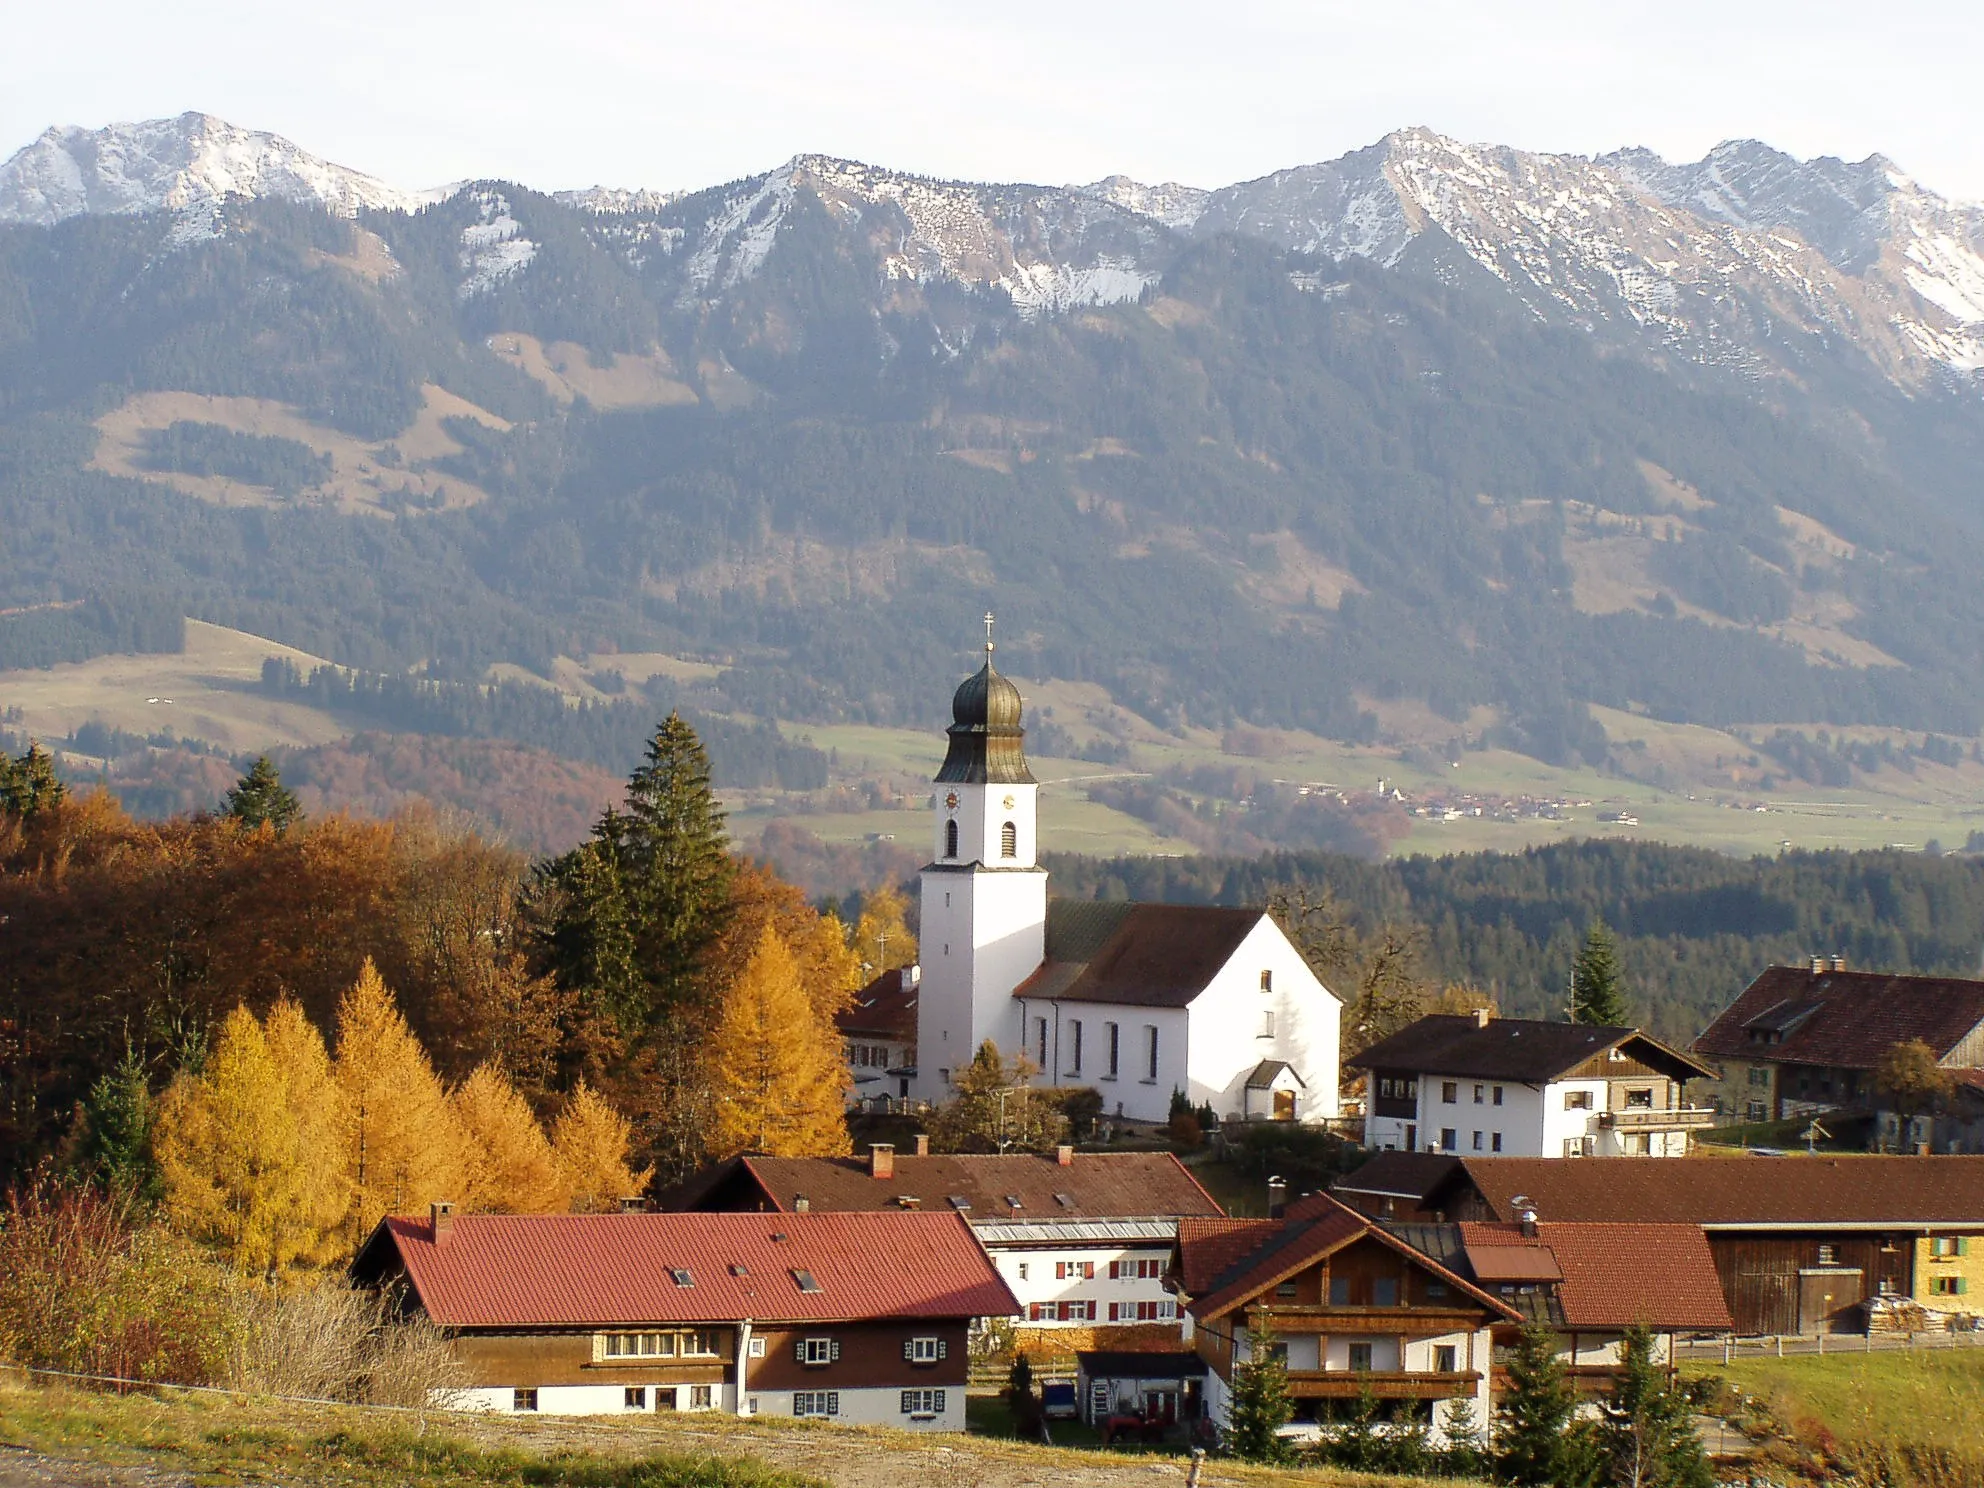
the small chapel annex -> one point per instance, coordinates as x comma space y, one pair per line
1134, 1000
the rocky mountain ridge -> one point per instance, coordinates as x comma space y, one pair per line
1747, 259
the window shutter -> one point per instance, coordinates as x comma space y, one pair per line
833, 1351
937, 1401
1962, 1284
943, 1348
799, 1350
909, 1348
1963, 1245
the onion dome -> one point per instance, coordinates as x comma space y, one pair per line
985, 731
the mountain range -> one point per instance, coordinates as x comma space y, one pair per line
1458, 424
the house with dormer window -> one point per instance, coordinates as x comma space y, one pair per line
749, 1314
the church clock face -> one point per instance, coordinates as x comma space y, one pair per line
952, 800
1008, 803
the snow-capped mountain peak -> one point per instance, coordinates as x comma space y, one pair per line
187, 165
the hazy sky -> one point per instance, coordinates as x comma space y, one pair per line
572, 92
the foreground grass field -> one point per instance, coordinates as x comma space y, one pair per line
1903, 1419
71, 1438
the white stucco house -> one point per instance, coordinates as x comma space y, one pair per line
1135, 1000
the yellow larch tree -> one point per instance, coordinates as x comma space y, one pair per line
228, 1153
780, 1079
322, 1196
590, 1143
507, 1164
402, 1146
882, 937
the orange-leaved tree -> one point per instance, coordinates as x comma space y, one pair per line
508, 1166
402, 1144
781, 1082
590, 1143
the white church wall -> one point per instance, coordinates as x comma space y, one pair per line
1234, 1025
1129, 1090
982, 934
981, 813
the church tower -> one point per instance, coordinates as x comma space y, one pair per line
984, 925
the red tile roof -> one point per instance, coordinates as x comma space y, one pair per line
1285, 1246
1208, 1247
596, 1270
1615, 1275
885, 1008
1096, 1185
1843, 1019
1732, 1192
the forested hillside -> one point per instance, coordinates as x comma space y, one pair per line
1272, 488
1694, 926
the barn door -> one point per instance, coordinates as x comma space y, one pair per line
1829, 1300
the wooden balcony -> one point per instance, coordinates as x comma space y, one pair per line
1381, 1384
1300, 1319
1640, 1119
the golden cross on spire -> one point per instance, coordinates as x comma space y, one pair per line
988, 632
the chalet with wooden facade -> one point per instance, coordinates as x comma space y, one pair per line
857, 1318
1801, 1245
1807, 1039
1355, 1310
1477, 1084
1083, 1239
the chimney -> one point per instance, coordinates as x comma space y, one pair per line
1277, 1197
882, 1160
922, 1144
1529, 1223
1064, 1155
801, 1204
1839, 963
1818, 965
1482, 1015
441, 1220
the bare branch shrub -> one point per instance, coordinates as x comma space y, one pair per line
330, 1341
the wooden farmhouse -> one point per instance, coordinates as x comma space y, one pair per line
854, 1318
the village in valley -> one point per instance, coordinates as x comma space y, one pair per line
1085, 1173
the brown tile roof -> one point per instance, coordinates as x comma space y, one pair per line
1515, 1049
1400, 1175
1735, 1192
1096, 1185
597, 1270
1208, 1247
1139, 955
1615, 1275
1843, 1019
885, 1008
1288, 1245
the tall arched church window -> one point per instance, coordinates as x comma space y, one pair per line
1009, 841
950, 839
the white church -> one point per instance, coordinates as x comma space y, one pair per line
1134, 1000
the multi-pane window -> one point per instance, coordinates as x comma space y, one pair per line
702, 1397
1146, 1268
1074, 1270
816, 1402
1449, 1139
636, 1397
924, 1350
1143, 1312
1577, 1100
922, 1402
1639, 1100
688, 1343
1945, 1246
1756, 1111
523, 1400
1061, 1312
817, 1351
1947, 1286
1449, 1092
1480, 1094
1360, 1357
1760, 1076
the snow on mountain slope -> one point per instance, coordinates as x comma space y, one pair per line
1049, 249
187, 165
1176, 206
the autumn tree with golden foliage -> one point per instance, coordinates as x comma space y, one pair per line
316, 1106
780, 1080
883, 940
508, 1166
590, 1145
236, 1166
401, 1140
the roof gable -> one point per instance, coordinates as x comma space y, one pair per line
885, 1008
1843, 1019
1138, 955
1522, 1049
602, 1270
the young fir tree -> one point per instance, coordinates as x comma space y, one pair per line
1647, 1436
781, 1081
29, 785
589, 1143
1462, 1455
507, 1163
1537, 1441
1261, 1404
117, 1131
1598, 993
259, 798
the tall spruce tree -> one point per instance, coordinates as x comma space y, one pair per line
1261, 1403
1537, 1442
1646, 1435
259, 798
29, 785
1598, 994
